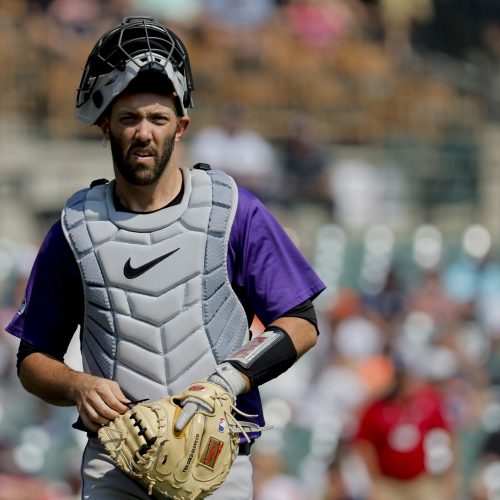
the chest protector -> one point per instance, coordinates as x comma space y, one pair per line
160, 311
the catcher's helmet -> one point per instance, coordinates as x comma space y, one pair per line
138, 46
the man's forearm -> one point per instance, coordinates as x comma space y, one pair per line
302, 333
266, 356
48, 378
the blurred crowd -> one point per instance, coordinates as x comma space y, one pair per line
366, 61
401, 398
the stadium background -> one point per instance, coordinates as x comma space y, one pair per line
379, 125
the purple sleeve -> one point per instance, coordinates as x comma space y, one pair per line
268, 272
53, 303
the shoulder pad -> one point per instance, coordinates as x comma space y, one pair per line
202, 166
98, 182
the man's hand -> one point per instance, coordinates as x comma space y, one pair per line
98, 400
225, 375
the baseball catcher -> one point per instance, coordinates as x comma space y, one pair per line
162, 270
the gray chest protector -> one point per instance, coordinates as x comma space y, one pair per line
160, 312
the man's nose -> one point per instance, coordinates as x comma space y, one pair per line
143, 131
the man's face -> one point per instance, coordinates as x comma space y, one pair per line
142, 129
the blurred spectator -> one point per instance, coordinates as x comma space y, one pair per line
238, 15
485, 479
271, 480
238, 28
366, 193
357, 369
23, 487
399, 18
486, 483
492, 364
15, 263
428, 294
430, 297
357, 345
405, 442
356, 372
35, 457
387, 306
183, 12
357, 193
346, 478
319, 23
243, 153
305, 165
472, 280
79, 16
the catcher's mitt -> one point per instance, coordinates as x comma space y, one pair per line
190, 464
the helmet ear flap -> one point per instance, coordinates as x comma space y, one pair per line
186, 99
97, 99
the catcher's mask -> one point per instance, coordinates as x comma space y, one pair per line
139, 46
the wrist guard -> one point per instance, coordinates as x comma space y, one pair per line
265, 357
227, 376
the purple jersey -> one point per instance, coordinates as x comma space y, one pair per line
268, 273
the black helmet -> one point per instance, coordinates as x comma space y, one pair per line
138, 46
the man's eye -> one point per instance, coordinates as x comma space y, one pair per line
127, 120
160, 119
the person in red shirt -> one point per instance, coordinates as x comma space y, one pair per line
405, 442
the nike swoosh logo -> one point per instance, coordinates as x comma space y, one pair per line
134, 272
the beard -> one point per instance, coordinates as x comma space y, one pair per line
141, 175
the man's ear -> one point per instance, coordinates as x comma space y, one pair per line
182, 125
104, 126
